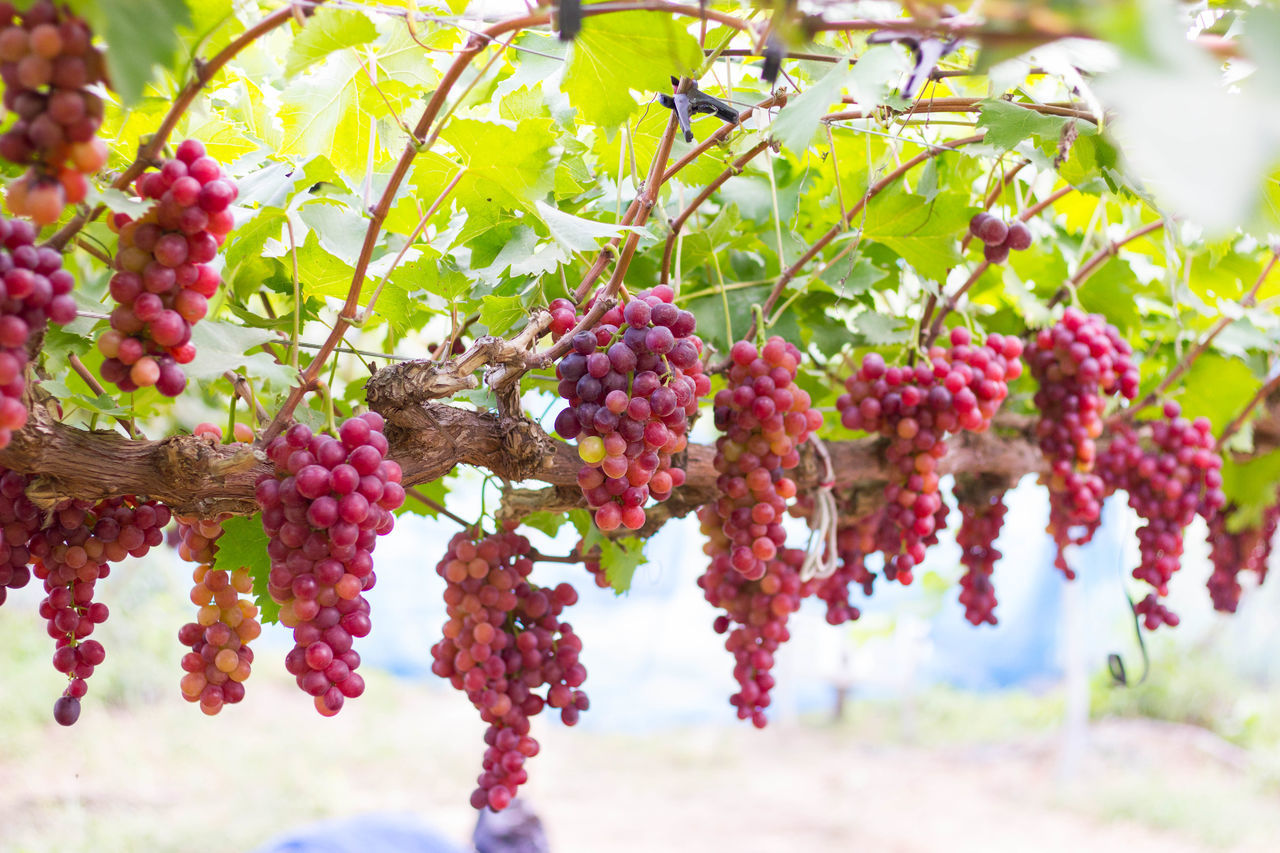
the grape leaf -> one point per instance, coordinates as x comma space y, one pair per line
575, 233
1251, 484
499, 313
617, 53
243, 545
327, 30
1008, 124
140, 35
923, 233
1216, 388
546, 522
618, 557
222, 346
798, 121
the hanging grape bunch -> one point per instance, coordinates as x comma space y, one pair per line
226, 621
164, 280
35, 289
855, 540
1078, 362
765, 417
1171, 471
71, 552
48, 63
323, 510
957, 388
982, 512
503, 642
632, 384
999, 237
1233, 552
755, 613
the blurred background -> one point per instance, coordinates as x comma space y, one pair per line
907, 730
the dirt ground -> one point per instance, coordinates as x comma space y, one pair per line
161, 777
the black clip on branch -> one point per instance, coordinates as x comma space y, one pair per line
696, 102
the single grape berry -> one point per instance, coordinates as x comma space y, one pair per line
1019, 237
993, 231
995, 254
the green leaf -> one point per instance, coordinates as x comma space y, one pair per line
243, 545
221, 346
326, 31
1251, 484
575, 233
618, 557
881, 329
140, 35
1216, 388
1007, 124
799, 119
923, 233
507, 165
546, 522
617, 53
500, 313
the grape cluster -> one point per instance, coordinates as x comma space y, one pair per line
998, 236
959, 387
502, 643
1078, 363
220, 658
1173, 475
71, 552
765, 417
323, 510
755, 613
632, 383
48, 63
854, 541
982, 511
20, 519
164, 280
1234, 552
34, 289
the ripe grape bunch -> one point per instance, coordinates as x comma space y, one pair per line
48, 63
502, 643
632, 383
220, 658
1170, 477
1078, 363
1233, 552
999, 237
982, 512
755, 613
19, 521
35, 290
323, 510
71, 553
164, 280
959, 387
764, 416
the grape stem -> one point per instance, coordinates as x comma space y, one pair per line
1248, 301
96, 387
148, 153
435, 505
